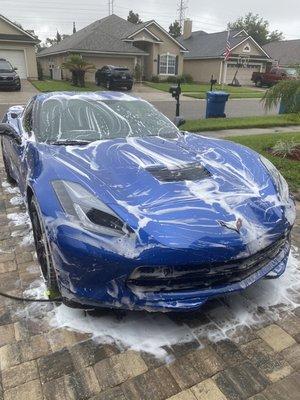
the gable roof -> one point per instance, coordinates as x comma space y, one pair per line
108, 35
286, 52
102, 36
212, 45
23, 36
147, 24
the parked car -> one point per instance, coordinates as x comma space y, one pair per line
9, 79
273, 76
129, 212
113, 78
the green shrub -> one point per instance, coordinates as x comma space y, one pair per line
186, 78
40, 71
172, 79
155, 79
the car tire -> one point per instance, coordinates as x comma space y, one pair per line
129, 87
97, 82
259, 83
43, 249
9, 178
18, 88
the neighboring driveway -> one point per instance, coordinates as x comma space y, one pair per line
195, 108
190, 108
9, 98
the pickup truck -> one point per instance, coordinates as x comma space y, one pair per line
273, 76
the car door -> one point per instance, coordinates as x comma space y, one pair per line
103, 76
18, 151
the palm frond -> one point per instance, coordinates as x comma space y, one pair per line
286, 91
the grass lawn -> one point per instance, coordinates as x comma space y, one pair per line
53, 86
290, 169
248, 95
199, 90
215, 124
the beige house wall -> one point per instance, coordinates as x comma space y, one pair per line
97, 61
29, 52
27, 48
167, 46
202, 70
255, 50
8, 29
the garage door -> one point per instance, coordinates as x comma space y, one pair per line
244, 73
17, 60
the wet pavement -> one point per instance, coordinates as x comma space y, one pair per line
242, 346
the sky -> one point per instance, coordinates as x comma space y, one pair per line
45, 17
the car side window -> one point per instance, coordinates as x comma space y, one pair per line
27, 118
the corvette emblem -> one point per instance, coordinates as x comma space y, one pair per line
234, 226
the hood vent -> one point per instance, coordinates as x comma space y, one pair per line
188, 172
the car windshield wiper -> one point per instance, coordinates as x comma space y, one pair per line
70, 142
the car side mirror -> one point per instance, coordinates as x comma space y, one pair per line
8, 130
179, 121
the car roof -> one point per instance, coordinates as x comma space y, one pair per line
98, 96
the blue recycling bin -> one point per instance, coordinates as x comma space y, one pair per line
215, 104
283, 108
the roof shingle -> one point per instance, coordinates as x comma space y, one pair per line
104, 35
286, 52
210, 45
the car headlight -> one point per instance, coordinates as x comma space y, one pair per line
278, 179
87, 210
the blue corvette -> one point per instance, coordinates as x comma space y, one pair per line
129, 212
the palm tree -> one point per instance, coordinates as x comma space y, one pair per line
78, 67
287, 92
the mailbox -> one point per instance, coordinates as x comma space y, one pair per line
175, 91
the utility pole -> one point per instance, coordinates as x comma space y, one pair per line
182, 7
110, 7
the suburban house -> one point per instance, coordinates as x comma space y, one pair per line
206, 55
285, 53
115, 41
18, 47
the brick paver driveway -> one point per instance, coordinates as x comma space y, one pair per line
238, 347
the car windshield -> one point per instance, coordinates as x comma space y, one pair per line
291, 71
5, 66
79, 118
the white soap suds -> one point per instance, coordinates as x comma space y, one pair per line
141, 331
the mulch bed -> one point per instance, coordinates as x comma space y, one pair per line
294, 154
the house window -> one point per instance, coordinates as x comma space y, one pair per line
247, 49
167, 64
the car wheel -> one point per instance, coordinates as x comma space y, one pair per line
129, 87
97, 82
9, 178
258, 83
18, 88
43, 249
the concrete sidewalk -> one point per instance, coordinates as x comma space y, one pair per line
252, 131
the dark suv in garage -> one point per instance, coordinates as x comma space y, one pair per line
9, 79
114, 77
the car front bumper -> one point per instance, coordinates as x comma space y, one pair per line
7, 84
94, 277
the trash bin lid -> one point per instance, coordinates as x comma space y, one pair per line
217, 95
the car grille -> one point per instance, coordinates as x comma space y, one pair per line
166, 279
6, 78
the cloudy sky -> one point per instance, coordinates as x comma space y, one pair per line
46, 16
